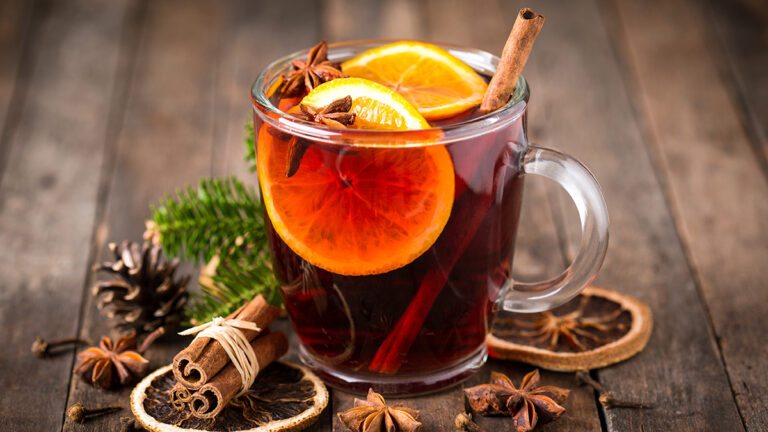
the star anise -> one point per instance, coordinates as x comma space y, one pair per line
310, 73
529, 405
336, 114
110, 363
573, 328
374, 415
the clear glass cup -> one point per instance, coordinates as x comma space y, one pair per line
421, 326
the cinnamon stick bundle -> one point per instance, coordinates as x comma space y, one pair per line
211, 398
197, 364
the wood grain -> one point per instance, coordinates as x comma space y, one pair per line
708, 167
582, 88
16, 27
252, 44
48, 200
165, 141
741, 27
337, 25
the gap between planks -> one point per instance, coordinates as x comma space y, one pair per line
644, 253
717, 190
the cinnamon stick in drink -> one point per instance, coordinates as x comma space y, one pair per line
204, 357
390, 354
513, 59
211, 398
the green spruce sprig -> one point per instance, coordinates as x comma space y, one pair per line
235, 278
250, 147
219, 223
199, 223
220, 220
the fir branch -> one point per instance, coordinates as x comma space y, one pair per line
250, 147
242, 274
197, 224
221, 219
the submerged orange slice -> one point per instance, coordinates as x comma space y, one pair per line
359, 210
438, 84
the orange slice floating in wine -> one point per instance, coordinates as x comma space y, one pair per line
357, 210
437, 83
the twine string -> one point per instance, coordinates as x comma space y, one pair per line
228, 332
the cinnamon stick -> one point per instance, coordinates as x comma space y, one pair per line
513, 58
212, 397
392, 351
204, 357
485, 156
180, 396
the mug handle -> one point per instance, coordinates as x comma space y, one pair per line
585, 192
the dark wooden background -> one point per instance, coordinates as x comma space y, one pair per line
107, 105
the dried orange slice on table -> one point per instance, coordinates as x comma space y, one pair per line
597, 328
437, 83
361, 210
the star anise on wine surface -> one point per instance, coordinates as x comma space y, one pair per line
336, 114
374, 415
550, 329
310, 73
529, 405
109, 364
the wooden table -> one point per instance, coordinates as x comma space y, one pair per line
107, 106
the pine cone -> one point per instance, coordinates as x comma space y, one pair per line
145, 295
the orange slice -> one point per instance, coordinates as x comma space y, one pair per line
359, 210
438, 84
376, 106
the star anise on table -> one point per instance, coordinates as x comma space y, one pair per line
310, 73
110, 364
374, 415
336, 114
529, 405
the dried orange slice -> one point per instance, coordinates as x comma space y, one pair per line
292, 393
359, 210
438, 84
598, 328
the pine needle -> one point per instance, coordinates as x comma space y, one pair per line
220, 218
250, 147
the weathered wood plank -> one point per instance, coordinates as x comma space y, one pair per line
48, 200
715, 184
742, 29
165, 141
583, 93
16, 27
251, 43
400, 19
537, 251
338, 24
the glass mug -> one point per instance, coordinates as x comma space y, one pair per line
419, 325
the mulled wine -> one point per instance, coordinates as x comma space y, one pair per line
391, 205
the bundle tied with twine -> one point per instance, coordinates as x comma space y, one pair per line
225, 357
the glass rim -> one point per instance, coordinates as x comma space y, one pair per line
479, 60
